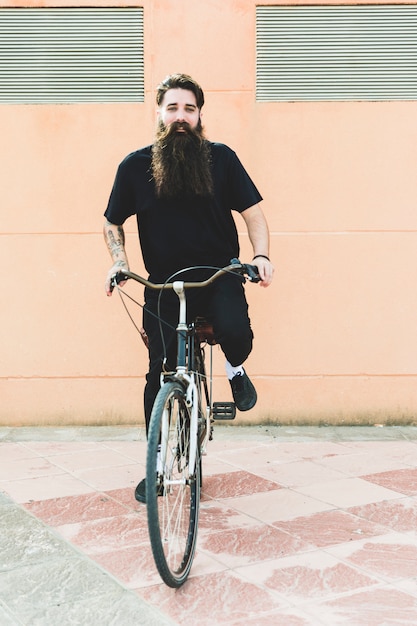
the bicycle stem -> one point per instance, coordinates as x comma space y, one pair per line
192, 400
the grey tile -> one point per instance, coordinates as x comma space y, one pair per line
26, 539
81, 433
66, 591
7, 619
4, 433
255, 432
125, 609
27, 589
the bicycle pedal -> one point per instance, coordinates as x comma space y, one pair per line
224, 410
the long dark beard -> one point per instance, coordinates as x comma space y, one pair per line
181, 162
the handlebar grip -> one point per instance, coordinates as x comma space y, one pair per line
245, 269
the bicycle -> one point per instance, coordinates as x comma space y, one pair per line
181, 425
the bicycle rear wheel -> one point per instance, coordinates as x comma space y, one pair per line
172, 494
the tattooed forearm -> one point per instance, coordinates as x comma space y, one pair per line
114, 237
115, 240
115, 243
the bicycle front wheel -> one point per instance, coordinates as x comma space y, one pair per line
172, 494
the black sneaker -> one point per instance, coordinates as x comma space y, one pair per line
244, 393
140, 491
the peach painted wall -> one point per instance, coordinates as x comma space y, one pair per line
336, 334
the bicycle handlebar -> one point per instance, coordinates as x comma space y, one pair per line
236, 267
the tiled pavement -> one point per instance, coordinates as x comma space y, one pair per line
298, 526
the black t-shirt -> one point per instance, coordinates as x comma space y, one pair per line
175, 234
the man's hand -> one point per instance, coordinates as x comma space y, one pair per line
117, 267
265, 270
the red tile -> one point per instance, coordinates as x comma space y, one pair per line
214, 599
401, 480
376, 607
236, 484
329, 528
274, 618
106, 535
314, 582
399, 515
387, 559
245, 545
72, 509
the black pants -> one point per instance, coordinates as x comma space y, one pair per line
223, 304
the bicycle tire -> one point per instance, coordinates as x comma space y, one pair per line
172, 508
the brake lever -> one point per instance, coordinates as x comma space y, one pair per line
117, 278
252, 272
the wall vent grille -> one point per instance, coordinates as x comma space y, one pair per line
356, 52
61, 55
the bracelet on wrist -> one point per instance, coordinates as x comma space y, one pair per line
261, 256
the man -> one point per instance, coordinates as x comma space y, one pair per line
182, 190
